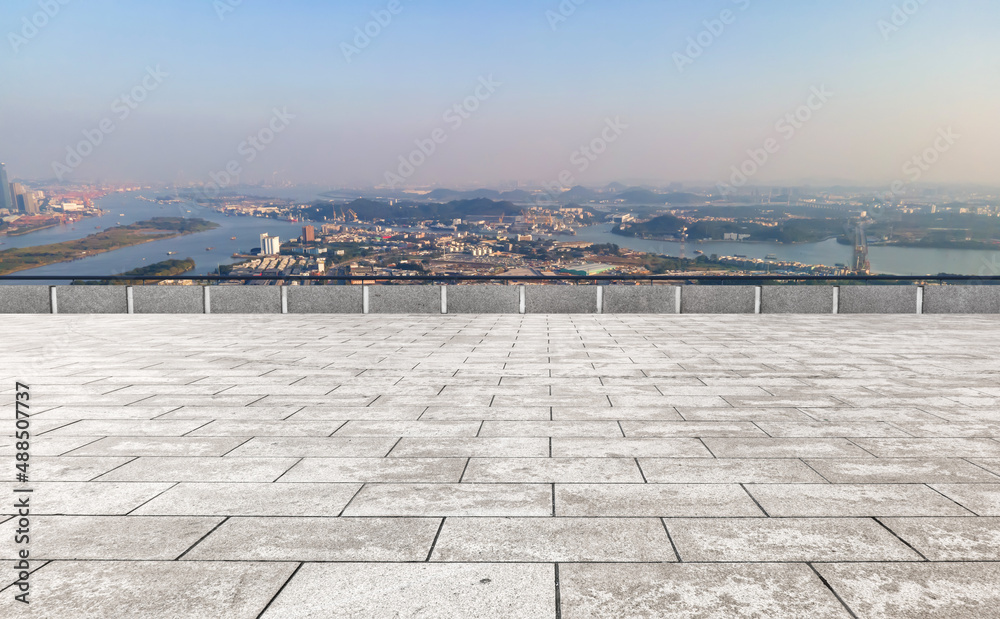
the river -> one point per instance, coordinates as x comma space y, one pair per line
126, 208
884, 259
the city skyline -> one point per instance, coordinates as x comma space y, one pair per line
445, 94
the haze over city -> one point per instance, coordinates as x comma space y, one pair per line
500, 92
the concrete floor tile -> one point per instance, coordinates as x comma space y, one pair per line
319, 539
950, 539
784, 448
951, 430
551, 428
825, 429
446, 591
47, 445
128, 427
713, 471
629, 448
654, 501
553, 540
747, 540
335, 413
871, 414
686, 591
931, 447
111, 538
399, 429
471, 448
901, 471
154, 590
249, 499
730, 414
990, 464
491, 413
435, 500
917, 590
70, 468
365, 470
618, 413
245, 428
689, 429
178, 469
239, 413
678, 401
552, 470
853, 500
85, 498
983, 499
159, 446
314, 447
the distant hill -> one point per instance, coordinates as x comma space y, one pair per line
641, 196
579, 194
665, 225
413, 211
449, 195
518, 195
645, 196
680, 197
790, 231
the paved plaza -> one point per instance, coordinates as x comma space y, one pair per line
506, 466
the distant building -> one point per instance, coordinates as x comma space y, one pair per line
6, 195
24, 200
308, 234
270, 245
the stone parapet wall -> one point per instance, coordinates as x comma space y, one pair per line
497, 299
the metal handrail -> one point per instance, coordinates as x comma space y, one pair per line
518, 278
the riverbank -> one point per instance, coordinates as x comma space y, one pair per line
167, 268
156, 229
20, 232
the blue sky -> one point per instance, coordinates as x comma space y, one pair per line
558, 86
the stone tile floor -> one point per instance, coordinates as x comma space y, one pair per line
507, 466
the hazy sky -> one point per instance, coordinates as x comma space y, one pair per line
563, 76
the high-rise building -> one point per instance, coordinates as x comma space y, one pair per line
6, 195
31, 204
269, 245
308, 234
24, 200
